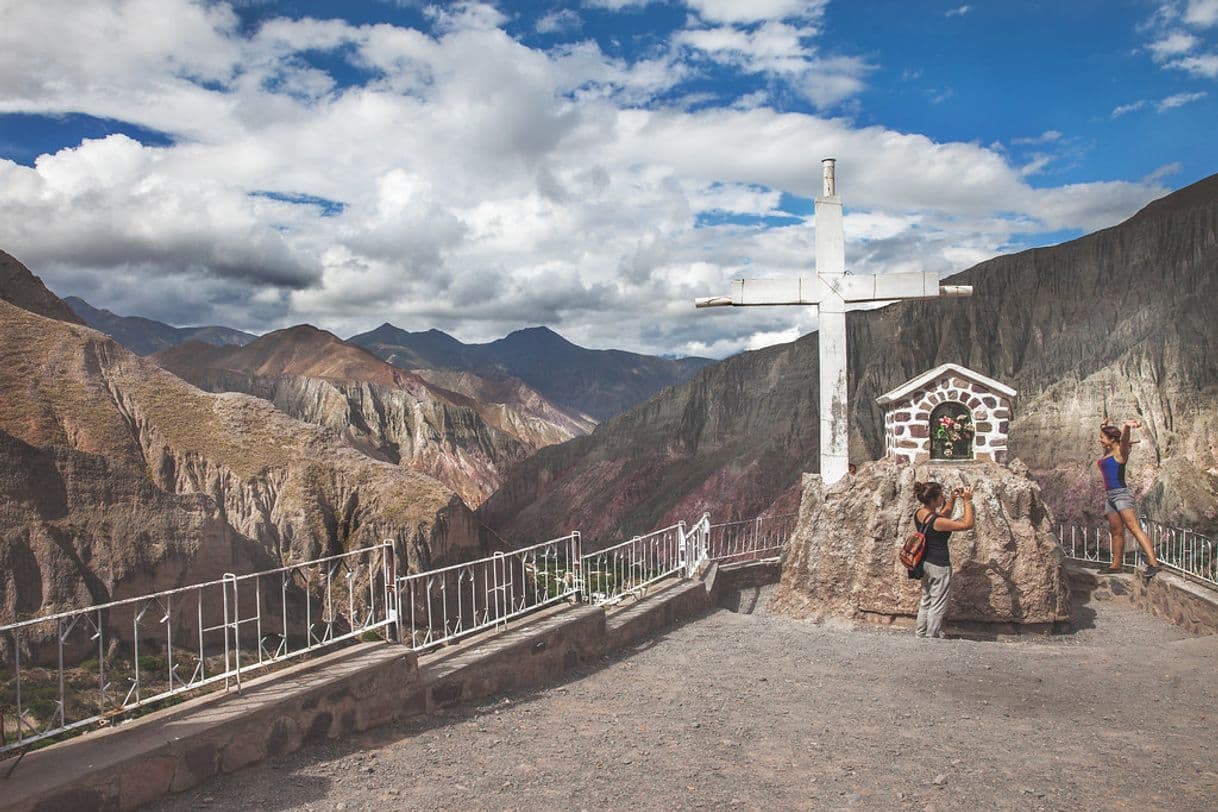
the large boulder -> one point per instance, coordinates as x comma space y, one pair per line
842, 561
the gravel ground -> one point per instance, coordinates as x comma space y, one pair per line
752, 711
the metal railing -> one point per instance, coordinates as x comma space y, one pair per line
444, 604
697, 545
90, 666
630, 567
1177, 549
83, 667
751, 539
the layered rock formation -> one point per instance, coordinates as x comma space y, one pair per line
463, 441
118, 478
842, 561
598, 383
1117, 323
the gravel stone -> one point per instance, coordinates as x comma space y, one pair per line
797, 715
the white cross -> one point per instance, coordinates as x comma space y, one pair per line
830, 290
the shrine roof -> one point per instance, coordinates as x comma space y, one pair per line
913, 384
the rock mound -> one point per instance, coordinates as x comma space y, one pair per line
843, 556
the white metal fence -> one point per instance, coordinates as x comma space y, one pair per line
1177, 549
447, 603
751, 539
630, 567
82, 667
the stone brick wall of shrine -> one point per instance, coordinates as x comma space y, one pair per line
907, 422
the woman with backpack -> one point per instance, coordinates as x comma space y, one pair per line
934, 520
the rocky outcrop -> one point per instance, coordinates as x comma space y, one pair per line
1117, 323
842, 559
391, 414
22, 288
120, 478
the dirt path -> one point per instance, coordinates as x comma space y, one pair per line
751, 711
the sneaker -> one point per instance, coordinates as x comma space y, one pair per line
1150, 572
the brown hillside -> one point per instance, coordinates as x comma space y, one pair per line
119, 478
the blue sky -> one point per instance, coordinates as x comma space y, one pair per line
480, 167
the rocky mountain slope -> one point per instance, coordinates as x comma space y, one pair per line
599, 383
1117, 323
463, 441
117, 477
146, 336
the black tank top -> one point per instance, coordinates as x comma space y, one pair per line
937, 552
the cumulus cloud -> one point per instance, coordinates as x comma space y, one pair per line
1201, 13
470, 182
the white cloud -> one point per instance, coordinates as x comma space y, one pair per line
1204, 65
959, 11
560, 21
753, 11
1165, 171
465, 16
1179, 100
1047, 137
1202, 13
1173, 44
484, 185
1036, 165
1123, 109
781, 49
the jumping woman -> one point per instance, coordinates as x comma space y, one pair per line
935, 520
1119, 506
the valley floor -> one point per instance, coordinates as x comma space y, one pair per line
754, 711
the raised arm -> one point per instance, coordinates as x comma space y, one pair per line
1125, 439
963, 523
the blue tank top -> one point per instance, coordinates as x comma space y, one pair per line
1113, 473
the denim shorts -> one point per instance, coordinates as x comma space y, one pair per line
1119, 499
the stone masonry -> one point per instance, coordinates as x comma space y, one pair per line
908, 410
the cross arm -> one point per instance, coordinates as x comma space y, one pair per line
810, 290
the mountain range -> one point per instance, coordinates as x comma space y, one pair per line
146, 336
118, 478
598, 383
1117, 324
466, 441
582, 382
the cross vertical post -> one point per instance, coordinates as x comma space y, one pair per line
831, 290
831, 272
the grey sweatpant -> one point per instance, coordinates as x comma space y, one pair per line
935, 586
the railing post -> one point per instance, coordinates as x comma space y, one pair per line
577, 566
683, 557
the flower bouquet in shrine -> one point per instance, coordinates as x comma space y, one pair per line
952, 431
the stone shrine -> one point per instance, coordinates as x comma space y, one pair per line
950, 413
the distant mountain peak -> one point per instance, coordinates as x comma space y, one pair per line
147, 336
